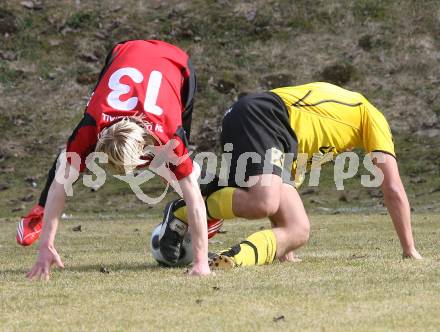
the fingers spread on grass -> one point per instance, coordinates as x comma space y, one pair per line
34, 273
46, 272
59, 262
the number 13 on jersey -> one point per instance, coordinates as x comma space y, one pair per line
119, 89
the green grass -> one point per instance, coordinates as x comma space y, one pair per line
82, 20
351, 279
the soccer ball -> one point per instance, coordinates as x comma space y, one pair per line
186, 253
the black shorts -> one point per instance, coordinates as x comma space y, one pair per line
259, 130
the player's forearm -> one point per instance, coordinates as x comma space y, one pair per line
54, 207
199, 232
196, 216
399, 209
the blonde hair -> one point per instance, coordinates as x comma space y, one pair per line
124, 143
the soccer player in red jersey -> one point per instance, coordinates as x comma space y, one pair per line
144, 95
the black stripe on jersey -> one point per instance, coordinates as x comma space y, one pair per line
49, 180
87, 120
298, 103
300, 100
187, 93
180, 132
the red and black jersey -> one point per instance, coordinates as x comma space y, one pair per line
147, 78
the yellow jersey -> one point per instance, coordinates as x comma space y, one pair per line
327, 118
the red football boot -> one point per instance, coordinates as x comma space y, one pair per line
29, 227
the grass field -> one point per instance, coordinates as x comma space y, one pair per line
351, 279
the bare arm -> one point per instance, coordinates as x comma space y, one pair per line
397, 203
197, 222
47, 254
53, 210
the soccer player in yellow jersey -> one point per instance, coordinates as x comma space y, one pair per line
312, 118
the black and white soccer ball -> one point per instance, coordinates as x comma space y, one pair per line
186, 253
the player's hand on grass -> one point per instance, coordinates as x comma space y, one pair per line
413, 254
47, 256
199, 270
290, 257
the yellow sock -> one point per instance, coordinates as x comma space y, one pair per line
258, 249
182, 214
219, 203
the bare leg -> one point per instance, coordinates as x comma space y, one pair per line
260, 200
290, 256
292, 225
282, 204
